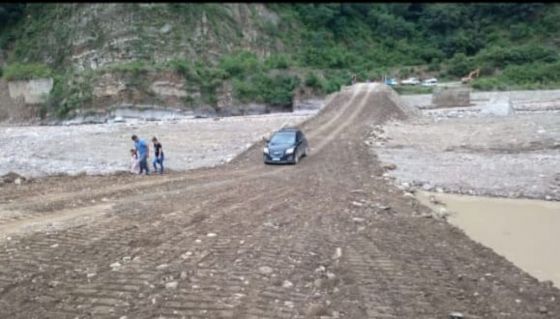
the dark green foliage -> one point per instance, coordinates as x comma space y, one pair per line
11, 13
313, 81
500, 57
275, 90
69, 93
240, 64
460, 65
279, 90
182, 67
277, 61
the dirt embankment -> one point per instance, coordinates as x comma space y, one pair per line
326, 238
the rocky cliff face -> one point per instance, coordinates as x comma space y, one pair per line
104, 34
107, 56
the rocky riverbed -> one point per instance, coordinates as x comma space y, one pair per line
33, 151
507, 144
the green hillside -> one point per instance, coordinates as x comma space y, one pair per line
267, 51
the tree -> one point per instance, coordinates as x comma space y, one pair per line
10, 13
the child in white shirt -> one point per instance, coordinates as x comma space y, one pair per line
134, 163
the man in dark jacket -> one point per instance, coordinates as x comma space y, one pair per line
158, 152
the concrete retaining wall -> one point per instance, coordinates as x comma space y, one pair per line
32, 91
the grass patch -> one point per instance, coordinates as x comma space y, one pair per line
19, 72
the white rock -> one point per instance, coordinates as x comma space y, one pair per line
162, 266
265, 270
337, 253
211, 235
115, 265
357, 204
287, 284
186, 255
171, 285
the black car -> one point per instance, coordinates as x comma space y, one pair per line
287, 145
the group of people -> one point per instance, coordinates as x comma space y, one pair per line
141, 152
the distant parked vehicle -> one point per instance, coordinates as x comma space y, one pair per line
391, 82
430, 82
410, 81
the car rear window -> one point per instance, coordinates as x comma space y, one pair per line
283, 138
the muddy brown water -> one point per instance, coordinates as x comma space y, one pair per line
523, 231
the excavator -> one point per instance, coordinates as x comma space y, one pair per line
471, 76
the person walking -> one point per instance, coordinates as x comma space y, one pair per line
158, 158
143, 152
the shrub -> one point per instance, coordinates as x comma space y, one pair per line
313, 81
460, 65
68, 94
489, 84
532, 73
279, 91
434, 67
245, 90
240, 64
17, 71
529, 53
277, 61
334, 80
136, 68
181, 66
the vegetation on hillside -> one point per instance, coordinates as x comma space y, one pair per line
515, 45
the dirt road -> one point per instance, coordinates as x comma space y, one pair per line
327, 238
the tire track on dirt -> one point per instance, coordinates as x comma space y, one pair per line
176, 235
37, 212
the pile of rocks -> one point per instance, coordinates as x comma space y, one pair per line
12, 178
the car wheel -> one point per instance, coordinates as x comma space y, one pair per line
305, 151
296, 159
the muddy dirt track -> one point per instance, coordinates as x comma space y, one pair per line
327, 238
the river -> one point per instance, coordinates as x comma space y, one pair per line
526, 232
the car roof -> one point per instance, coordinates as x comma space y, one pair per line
288, 129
